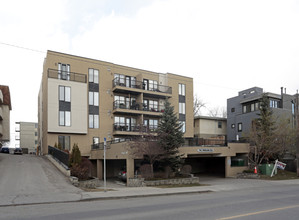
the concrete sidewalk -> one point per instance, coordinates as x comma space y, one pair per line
120, 191
212, 185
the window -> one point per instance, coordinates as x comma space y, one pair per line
64, 142
244, 109
153, 105
93, 98
95, 140
239, 127
219, 124
252, 107
182, 108
64, 71
93, 121
232, 109
64, 93
64, 118
153, 85
153, 124
93, 76
274, 103
183, 129
182, 89
145, 84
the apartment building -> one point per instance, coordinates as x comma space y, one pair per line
244, 108
5, 108
27, 136
87, 101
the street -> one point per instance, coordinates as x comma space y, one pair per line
265, 203
32, 188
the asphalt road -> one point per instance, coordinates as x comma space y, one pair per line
32, 179
265, 203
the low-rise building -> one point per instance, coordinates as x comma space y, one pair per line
27, 136
5, 108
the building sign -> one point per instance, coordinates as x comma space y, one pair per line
205, 150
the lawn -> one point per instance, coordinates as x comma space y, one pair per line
281, 175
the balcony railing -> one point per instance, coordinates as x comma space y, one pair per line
65, 75
122, 82
134, 128
137, 106
140, 85
100, 146
204, 142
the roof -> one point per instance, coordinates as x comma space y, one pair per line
6, 96
210, 118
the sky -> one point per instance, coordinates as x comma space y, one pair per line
225, 46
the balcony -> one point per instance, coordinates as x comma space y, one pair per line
137, 87
124, 129
68, 76
136, 108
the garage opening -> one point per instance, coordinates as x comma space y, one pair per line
207, 166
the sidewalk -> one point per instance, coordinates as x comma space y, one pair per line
213, 185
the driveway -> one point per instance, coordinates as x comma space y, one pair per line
33, 179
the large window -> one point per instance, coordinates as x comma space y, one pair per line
182, 108
153, 105
64, 118
93, 121
93, 76
94, 98
153, 124
274, 103
64, 142
182, 89
64, 93
153, 85
64, 71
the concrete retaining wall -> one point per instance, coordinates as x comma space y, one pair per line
60, 167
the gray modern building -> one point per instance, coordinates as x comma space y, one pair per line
27, 135
244, 108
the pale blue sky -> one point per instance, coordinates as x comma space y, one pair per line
226, 46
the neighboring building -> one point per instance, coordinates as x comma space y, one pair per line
244, 108
5, 108
209, 127
83, 101
27, 136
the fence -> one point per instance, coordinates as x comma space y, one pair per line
59, 155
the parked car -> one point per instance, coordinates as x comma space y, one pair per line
5, 150
18, 151
122, 175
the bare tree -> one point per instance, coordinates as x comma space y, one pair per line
148, 149
198, 104
218, 112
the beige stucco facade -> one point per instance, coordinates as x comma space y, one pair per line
79, 131
209, 127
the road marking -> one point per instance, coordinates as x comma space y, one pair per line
260, 212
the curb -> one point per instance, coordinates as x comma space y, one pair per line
107, 198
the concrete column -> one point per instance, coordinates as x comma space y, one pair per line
100, 169
130, 168
227, 166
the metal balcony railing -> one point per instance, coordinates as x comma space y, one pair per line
65, 75
137, 106
140, 85
134, 128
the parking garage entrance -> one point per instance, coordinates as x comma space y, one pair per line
207, 165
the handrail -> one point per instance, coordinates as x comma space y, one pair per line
65, 75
